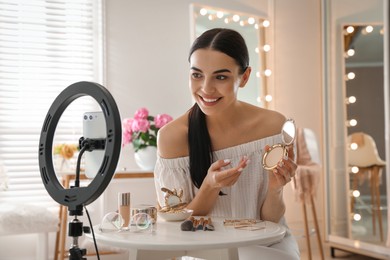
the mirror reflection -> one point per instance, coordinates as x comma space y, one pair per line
363, 45
275, 153
66, 146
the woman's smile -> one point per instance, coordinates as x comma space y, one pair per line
209, 101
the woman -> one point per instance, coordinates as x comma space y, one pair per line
213, 152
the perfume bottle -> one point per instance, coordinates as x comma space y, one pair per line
124, 208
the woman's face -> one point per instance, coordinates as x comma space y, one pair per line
214, 80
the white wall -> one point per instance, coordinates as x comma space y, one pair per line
297, 71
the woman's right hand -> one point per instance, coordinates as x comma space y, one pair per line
217, 178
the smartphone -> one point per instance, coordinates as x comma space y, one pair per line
94, 126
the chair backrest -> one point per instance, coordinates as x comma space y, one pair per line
366, 153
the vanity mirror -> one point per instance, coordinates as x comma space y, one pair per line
356, 104
276, 152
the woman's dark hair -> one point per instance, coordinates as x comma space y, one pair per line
232, 44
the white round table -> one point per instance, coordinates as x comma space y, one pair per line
167, 240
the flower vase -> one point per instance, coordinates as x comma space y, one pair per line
146, 158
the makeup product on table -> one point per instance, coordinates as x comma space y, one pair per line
124, 208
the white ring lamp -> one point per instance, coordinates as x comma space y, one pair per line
76, 197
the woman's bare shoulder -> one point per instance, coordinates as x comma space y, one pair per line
270, 122
172, 138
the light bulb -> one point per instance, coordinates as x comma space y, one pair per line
267, 72
236, 18
353, 122
350, 29
257, 49
266, 23
203, 11
251, 20
355, 169
356, 193
354, 146
258, 99
258, 74
211, 17
242, 23
268, 98
369, 29
226, 20
350, 52
351, 75
219, 14
357, 217
351, 99
266, 47
256, 26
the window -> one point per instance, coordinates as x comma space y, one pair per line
45, 46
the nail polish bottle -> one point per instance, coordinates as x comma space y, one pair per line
124, 208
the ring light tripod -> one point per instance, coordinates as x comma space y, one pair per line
76, 197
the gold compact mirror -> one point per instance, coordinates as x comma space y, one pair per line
275, 153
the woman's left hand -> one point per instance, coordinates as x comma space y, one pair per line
284, 172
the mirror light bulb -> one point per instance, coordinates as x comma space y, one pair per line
251, 20
268, 98
203, 11
356, 193
351, 75
350, 29
266, 23
219, 14
351, 99
267, 72
226, 20
242, 23
354, 146
256, 26
258, 74
357, 217
353, 122
369, 29
350, 52
257, 49
236, 18
266, 47
355, 169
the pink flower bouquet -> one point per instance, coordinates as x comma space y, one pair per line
141, 130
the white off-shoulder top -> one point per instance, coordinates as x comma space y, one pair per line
242, 200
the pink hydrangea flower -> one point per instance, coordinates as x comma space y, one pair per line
162, 119
141, 130
127, 125
141, 113
140, 125
127, 138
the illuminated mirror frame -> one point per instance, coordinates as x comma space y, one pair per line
261, 54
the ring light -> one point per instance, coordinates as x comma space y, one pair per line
78, 196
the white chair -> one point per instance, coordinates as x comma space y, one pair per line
306, 179
18, 219
21, 218
365, 156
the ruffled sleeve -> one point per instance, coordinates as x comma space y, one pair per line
173, 174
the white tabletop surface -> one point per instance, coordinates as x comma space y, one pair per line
168, 236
